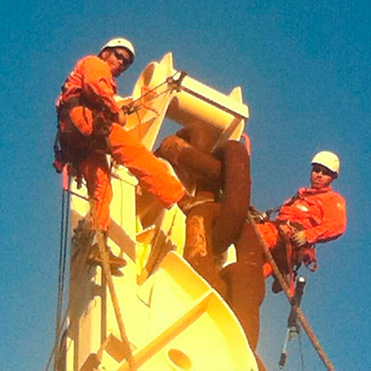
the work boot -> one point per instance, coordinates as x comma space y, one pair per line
114, 261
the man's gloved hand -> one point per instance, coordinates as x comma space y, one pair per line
299, 239
258, 216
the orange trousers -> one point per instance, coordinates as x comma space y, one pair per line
152, 174
269, 233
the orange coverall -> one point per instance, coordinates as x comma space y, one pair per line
91, 87
321, 213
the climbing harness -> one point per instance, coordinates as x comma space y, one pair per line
294, 257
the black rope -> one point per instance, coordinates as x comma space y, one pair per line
61, 274
63, 245
166, 81
63, 265
76, 273
301, 352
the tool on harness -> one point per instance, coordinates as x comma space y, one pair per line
293, 327
59, 161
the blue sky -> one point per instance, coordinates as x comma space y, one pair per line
305, 73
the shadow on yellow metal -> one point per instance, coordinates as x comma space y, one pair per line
189, 327
174, 320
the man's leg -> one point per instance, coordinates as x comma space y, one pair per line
269, 233
152, 173
97, 175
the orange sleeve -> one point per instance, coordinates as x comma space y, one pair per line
333, 223
98, 84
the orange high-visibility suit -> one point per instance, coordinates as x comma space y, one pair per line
87, 111
320, 212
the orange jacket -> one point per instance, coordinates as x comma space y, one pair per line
322, 213
92, 79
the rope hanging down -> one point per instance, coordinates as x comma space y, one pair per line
75, 275
65, 211
299, 313
63, 243
76, 270
173, 85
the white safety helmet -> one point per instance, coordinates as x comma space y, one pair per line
329, 160
120, 42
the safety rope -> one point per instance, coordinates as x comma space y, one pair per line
62, 266
63, 243
170, 80
301, 353
76, 271
299, 313
76, 274
167, 91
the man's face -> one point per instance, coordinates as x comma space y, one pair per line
321, 176
118, 59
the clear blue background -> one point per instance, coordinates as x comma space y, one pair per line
305, 73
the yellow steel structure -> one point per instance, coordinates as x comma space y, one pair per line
174, 320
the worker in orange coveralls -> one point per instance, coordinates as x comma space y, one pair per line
315, 214
91, 126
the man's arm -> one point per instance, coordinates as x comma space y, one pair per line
333, 222
98, 84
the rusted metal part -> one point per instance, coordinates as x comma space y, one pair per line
261, 365
198, 136
242, 297
203, 171
198, 249
171, 148
236, 195
203, 167
246, 284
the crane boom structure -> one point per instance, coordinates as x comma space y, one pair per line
173, 319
